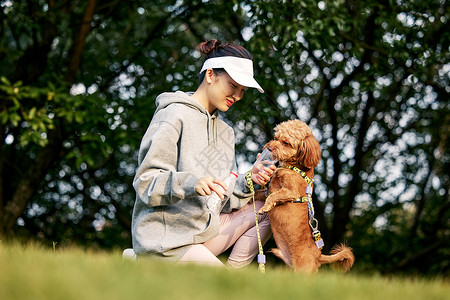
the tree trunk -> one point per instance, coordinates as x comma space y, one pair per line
78, 43
343, 205
29, 185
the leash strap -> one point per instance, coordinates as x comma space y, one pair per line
261, 256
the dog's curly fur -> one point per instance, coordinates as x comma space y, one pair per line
295, 145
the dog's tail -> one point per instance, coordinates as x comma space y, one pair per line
341, 254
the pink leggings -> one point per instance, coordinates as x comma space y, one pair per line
238, 228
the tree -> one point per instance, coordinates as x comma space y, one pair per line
77, 93
370, 78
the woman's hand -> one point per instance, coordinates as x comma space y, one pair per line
206, 185
262, 177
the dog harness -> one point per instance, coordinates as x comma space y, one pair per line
308, 199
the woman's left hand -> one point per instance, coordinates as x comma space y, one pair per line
263, 177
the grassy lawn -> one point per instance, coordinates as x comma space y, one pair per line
32, 272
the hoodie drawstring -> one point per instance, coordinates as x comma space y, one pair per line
212, 130
215, 131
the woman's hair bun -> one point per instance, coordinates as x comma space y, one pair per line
208, 46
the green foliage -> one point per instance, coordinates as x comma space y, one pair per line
22, 105
370, 77
93, 126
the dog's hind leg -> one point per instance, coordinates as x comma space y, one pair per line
306, 264
282, 251
284, 256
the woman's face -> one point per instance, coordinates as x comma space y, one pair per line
223, 91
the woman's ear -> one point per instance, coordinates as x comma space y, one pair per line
209, 75
309, 152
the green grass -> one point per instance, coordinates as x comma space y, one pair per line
32, 272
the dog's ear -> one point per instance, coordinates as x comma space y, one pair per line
309, 152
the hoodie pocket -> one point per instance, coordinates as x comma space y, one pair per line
211, 230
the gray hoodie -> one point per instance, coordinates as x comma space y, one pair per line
183, 143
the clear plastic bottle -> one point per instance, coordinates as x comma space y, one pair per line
214, 203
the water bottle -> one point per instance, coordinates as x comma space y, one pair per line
214, 203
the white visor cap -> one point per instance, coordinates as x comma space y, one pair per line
239, 69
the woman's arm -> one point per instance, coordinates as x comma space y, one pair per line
157, 181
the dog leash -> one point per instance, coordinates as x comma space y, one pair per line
308, 199
261, 256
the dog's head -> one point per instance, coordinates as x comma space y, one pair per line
294, 144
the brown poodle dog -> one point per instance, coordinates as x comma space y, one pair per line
294, 145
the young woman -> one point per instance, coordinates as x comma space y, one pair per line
184, 156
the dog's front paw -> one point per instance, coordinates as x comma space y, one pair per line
266, 208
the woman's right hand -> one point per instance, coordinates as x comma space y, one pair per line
206, 185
